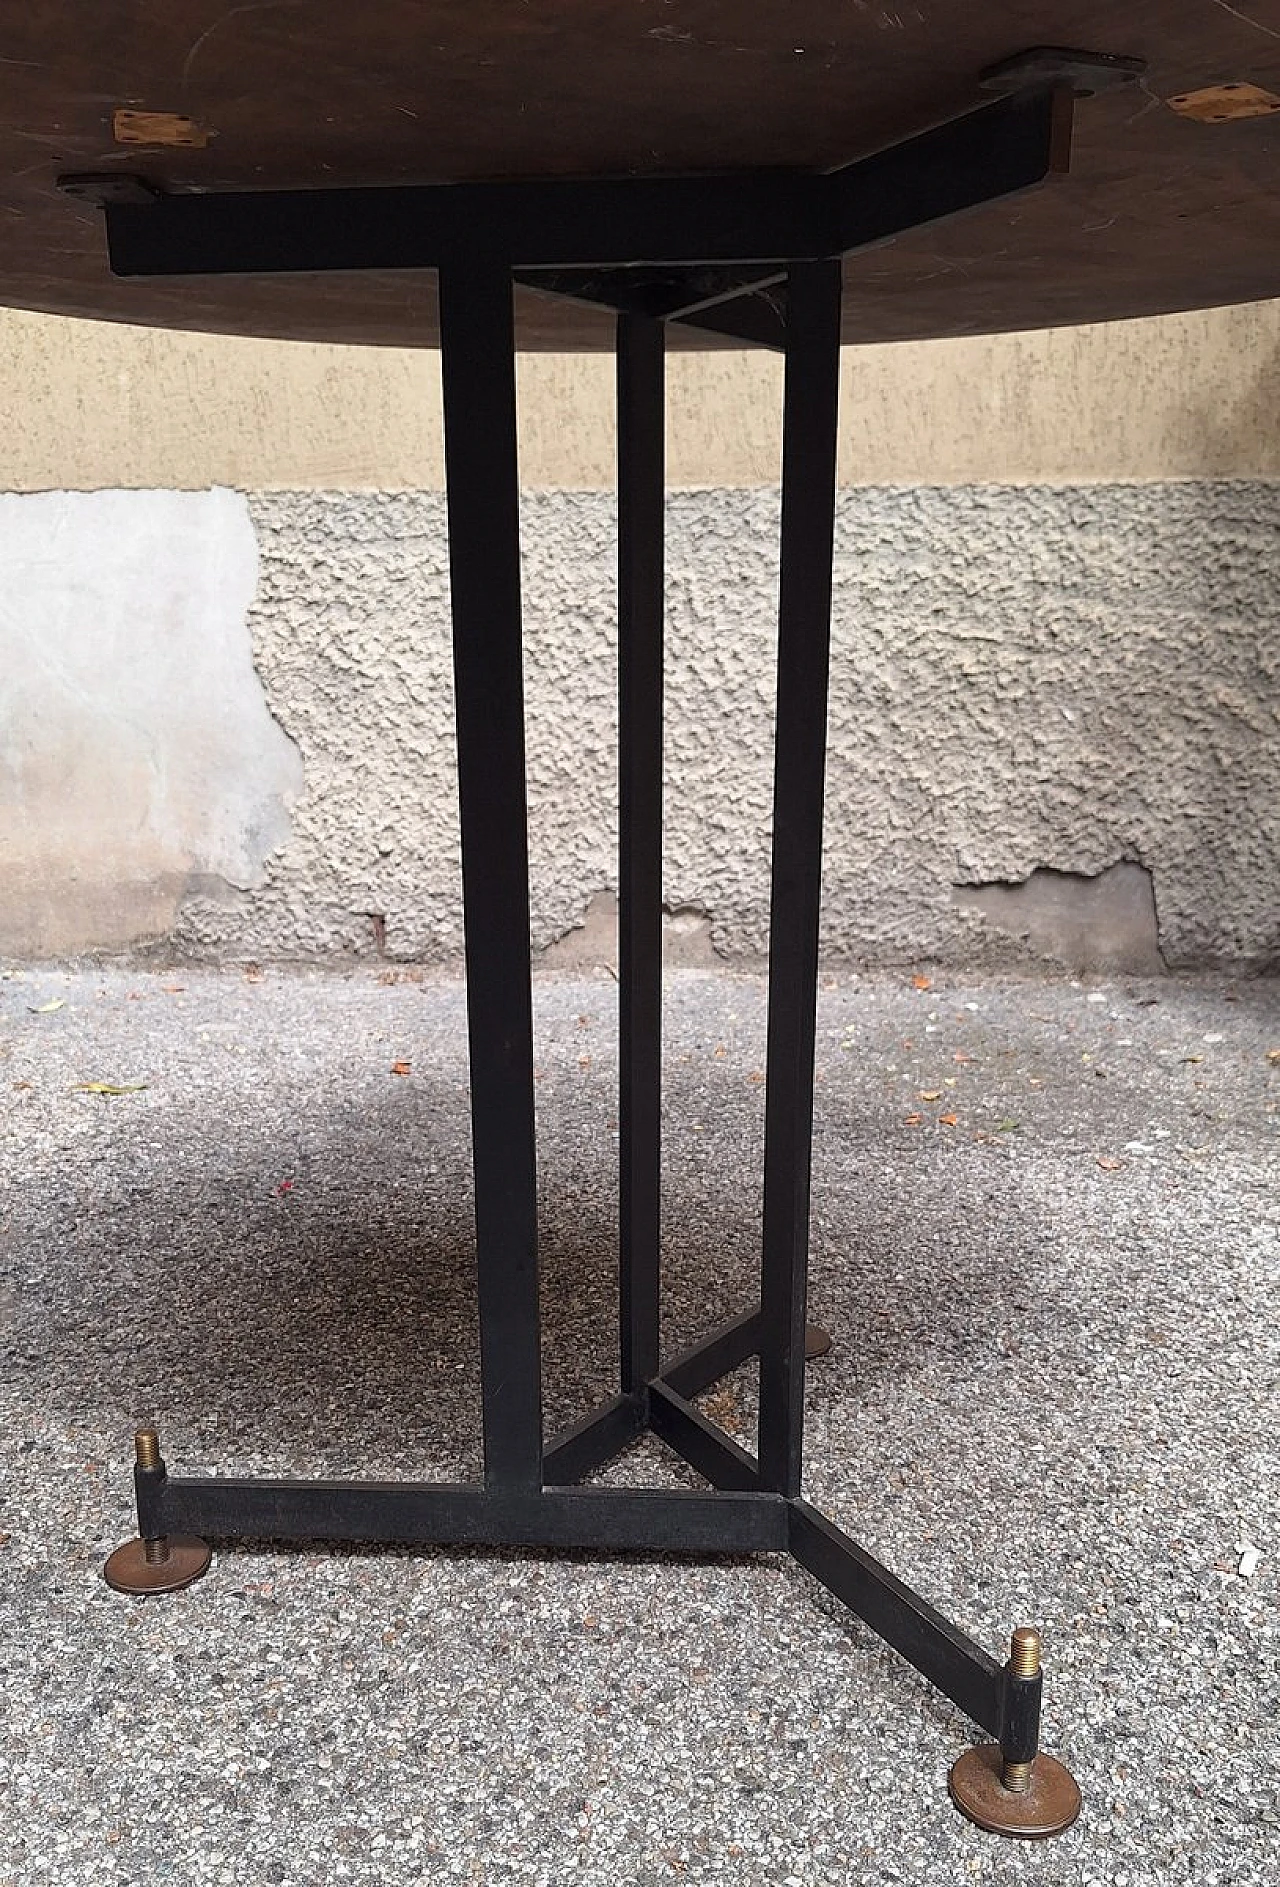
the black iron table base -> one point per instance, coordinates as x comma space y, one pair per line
747, 256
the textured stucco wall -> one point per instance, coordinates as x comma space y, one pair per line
1024, 678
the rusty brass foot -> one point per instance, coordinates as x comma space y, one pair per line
816, 1341
163, 1562
1009, 1787
1046, 1806
157, 1565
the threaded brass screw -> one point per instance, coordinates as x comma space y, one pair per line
155, 1552
1024, 1661
147, 1444
1024, 1652
1015, 1777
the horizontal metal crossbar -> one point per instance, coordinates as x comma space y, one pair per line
701, 1443
743, 306
938, 1649
943, 1653
438, 1513
597, 1437
746, 217
723, 1350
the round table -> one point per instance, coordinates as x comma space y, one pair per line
635, 173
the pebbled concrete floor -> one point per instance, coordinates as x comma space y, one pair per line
1046, 1239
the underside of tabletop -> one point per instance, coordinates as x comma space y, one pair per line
1170, 205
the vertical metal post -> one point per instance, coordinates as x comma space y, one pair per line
804, 637
478, 371
641, 494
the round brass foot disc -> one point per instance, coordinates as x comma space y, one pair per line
1050, 1804
129, 1570
816, 1341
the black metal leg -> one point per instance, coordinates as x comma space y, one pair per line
753, 1503
641, 477
804, 638
478, 369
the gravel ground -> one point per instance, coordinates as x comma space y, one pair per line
1046, 1224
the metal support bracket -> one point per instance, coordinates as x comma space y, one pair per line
709, 251
1087, 73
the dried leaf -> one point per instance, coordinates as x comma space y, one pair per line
1007, 1126
108, 1087
47, 1008
921, 982
756, 1076
401, 1067
948, 1120
931, 1094
914, 1120
723, 1408
1109, 1163
1273, 1056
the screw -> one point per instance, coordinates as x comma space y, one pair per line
155, 1552
1024, 1661
1024, 1652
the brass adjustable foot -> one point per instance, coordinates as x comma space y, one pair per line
164, 1562
157, 1565
1046, 1806
1010, 1788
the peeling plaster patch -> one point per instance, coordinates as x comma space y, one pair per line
138, 758
1104, 921
686, 939
593, 940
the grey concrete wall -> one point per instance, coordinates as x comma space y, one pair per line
1030, 684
